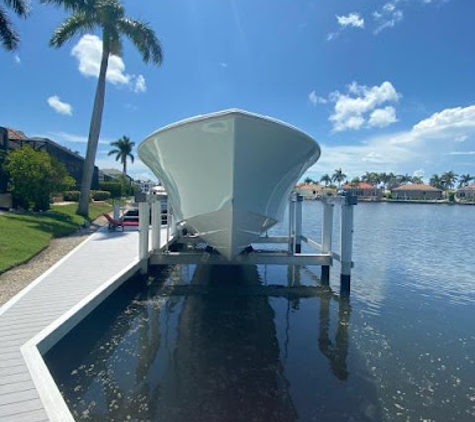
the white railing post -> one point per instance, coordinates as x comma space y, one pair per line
144, 216
116, 213
298, 223
291, 224
327, 232
156, 223
346, 242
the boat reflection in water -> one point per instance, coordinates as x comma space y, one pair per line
211, 347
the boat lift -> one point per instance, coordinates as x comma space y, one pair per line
184, 248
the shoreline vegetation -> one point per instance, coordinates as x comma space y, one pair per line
26, 234
404, 201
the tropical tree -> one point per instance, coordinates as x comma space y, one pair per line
308, 181
35, 176
122, 151
338, 176
448, 179
8, 35
109, 17
326, 179
416, 180
372, 178
436, 181
465, 179
404, 179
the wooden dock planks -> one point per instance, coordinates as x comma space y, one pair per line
76, 277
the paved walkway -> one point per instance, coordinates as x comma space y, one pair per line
70, 288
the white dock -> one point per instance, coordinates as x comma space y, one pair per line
42, 313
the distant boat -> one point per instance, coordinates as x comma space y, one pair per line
229, 174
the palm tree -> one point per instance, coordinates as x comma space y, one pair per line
8, 35
465, 179
109, 17
371, 178
326, 179
338, 176
436, 181
448, 179
123, 150
417, 180
404, 179
308, 181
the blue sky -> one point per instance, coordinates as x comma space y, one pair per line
381, 85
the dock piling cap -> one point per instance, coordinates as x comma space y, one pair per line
351, 199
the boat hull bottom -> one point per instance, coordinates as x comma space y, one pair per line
228, 230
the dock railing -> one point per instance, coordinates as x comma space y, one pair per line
292, 255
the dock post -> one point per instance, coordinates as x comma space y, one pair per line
298, 223
291, 224
116, 213
156, 224
144, 213
346, 243
327, 232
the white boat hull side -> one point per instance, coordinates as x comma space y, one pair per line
229, 174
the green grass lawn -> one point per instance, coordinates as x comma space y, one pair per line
22, 236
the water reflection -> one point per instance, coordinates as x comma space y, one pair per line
226, 361
207, 348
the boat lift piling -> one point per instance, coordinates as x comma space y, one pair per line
292, 256
327, 233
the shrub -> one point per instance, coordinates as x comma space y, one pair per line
115, 188
100, 195
34, 177
71, 195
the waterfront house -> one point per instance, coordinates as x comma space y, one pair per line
363, 191
11, 139
466, 193
314, 191
416, 192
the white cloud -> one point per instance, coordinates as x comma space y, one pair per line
140, 84
382, 117
315, 99
223, 65
391, 13
462, 153
17, 59
447, 121
59, 106
73, 138
425, 147
88, 52
461, 138
352, 109
353, 20
388, 16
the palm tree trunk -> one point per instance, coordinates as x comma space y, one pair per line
94, 132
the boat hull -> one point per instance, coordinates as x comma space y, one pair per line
229, 174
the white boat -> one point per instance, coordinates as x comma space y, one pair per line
228, 174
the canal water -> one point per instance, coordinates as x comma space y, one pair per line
211, 344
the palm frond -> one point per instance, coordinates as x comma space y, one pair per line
72, 5
77, 23
9, 37
20, 7
144, 39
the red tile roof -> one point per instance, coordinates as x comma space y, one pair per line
416, 187
15, 134
361, 185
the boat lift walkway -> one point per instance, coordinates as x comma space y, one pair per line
35, 319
